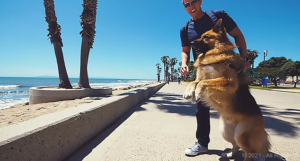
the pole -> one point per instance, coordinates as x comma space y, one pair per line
265, 54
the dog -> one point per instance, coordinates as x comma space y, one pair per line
221, 83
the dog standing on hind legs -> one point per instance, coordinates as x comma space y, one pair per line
221, 83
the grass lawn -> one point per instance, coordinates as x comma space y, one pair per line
267, 88
273, 87
259, 87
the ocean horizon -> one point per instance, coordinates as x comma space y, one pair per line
15, 90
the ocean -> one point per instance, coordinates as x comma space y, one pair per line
15, 90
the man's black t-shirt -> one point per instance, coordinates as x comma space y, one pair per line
197, 27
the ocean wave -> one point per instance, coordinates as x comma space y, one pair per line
11, 102
9, 86
15, 92
140, 81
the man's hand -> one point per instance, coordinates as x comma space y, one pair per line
247, 65
184, 70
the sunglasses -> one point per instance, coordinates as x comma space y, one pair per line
187, 4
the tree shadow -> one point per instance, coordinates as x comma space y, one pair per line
277, 123
174, 103
80, 153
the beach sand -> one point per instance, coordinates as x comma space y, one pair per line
22, 112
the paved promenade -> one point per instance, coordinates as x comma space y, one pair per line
161, 128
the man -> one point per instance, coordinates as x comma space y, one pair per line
199, 23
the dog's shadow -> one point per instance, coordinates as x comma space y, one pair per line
239, 156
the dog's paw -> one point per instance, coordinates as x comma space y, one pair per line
194, 100
199, 91
197, 97
189, 94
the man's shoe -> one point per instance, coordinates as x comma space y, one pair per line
195, 150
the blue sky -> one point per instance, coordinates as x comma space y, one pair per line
132, 35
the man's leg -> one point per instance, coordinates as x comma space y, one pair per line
203, 130
203, 124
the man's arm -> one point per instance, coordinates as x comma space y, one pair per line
239, 41
185, 55
241, 44
185, 58
185, 51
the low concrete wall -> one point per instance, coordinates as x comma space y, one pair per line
55, 136
48, 94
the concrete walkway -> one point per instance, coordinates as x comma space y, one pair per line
162, 127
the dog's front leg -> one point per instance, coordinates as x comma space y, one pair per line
220, 84
189, 93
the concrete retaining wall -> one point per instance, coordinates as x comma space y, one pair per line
55, 136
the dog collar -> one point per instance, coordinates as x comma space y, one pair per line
229, 64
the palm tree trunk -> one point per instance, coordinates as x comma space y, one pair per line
88, 20
62, 71
84, 57
158, 74
165, 77
172, 73
54, 34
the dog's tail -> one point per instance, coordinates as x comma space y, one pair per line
267, 144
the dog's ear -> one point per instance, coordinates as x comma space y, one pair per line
219, 27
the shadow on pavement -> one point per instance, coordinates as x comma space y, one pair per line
280, 126
172, 103
88, 147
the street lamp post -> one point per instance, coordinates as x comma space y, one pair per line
265, 54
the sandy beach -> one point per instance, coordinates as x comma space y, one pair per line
23, 112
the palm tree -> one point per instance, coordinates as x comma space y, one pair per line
252, 55
173, 62
158, 71
175, 74
88, 20
164, 60
167, 68
55, 38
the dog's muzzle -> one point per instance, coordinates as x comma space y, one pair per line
200, 47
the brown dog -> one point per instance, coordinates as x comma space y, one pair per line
221, 84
